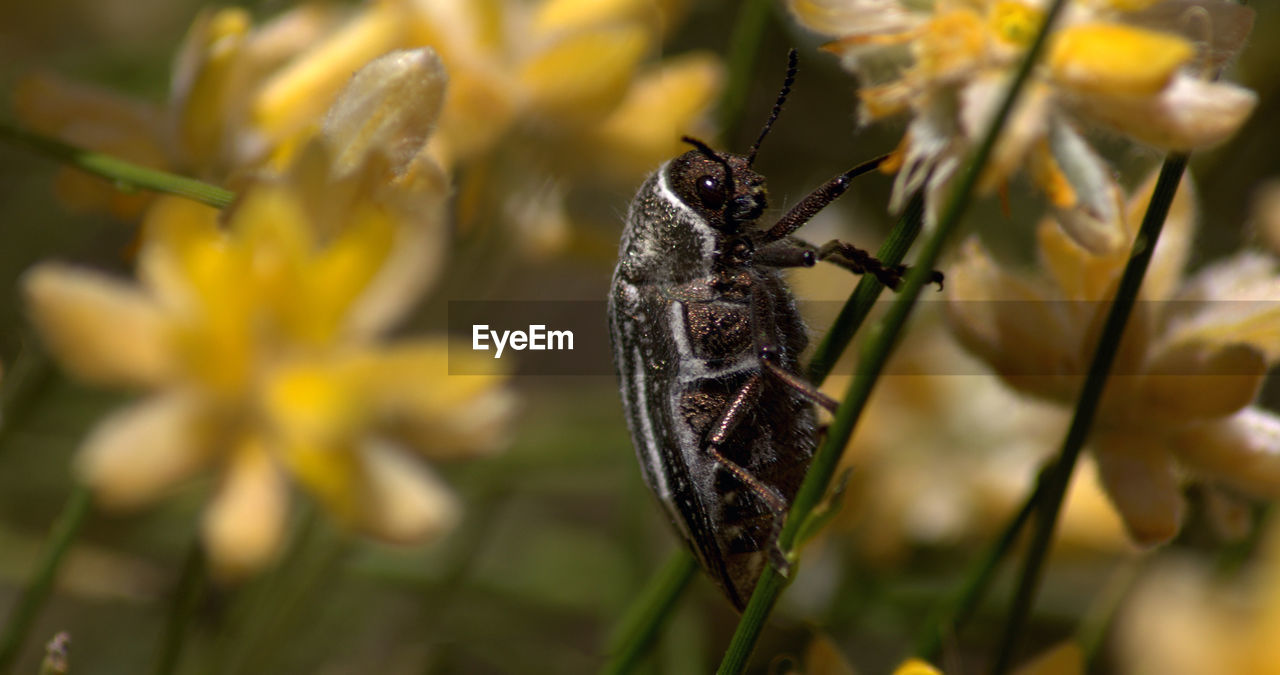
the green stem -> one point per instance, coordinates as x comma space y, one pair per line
744, 46
955, 614
36, 592
185, 597
865, 294
1059, 476
1097, 621
123, 174
827, 459
639, 627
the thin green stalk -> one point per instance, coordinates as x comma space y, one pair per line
956, 613
123, 174
865, 294
185, 597
639, 627
1059, 476
744, 46
1096, 623
827, 459
24, 613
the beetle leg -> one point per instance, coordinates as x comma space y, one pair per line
817, 200
859, 261
733, 414
788, 252
735, 411
767, 354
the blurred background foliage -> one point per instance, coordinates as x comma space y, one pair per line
559, 533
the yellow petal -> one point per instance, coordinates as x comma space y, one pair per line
479, 109
102, 329
663, 105
1242, 451
390, 107
137, 454
244, 524
300, 92
313, 405
403, 501
444, 416
823, 657
331, 474
581, 78
915, 667
397, 285
1138, 474
1188, 114
556, 16
952, 44
1030, 340
1232, 301
1104, 58
178, 236
1065, 659
842, 17
206, 82
1195, 381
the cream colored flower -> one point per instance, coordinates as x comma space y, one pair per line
257, 338
1184, 619
1191, 362
1142, 69
945, 454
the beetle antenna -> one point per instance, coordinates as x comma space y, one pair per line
790, 79
715, 157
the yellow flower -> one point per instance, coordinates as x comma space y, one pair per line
543, 95
948, 64
1185, 619
1190, 364
258, 338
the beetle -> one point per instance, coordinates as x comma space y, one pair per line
706, 342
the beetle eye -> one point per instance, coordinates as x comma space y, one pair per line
710, 192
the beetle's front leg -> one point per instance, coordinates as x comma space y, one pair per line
794, 252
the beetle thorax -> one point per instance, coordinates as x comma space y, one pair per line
685, 213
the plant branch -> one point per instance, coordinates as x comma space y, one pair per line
118, 171
38, 588
1059, 476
